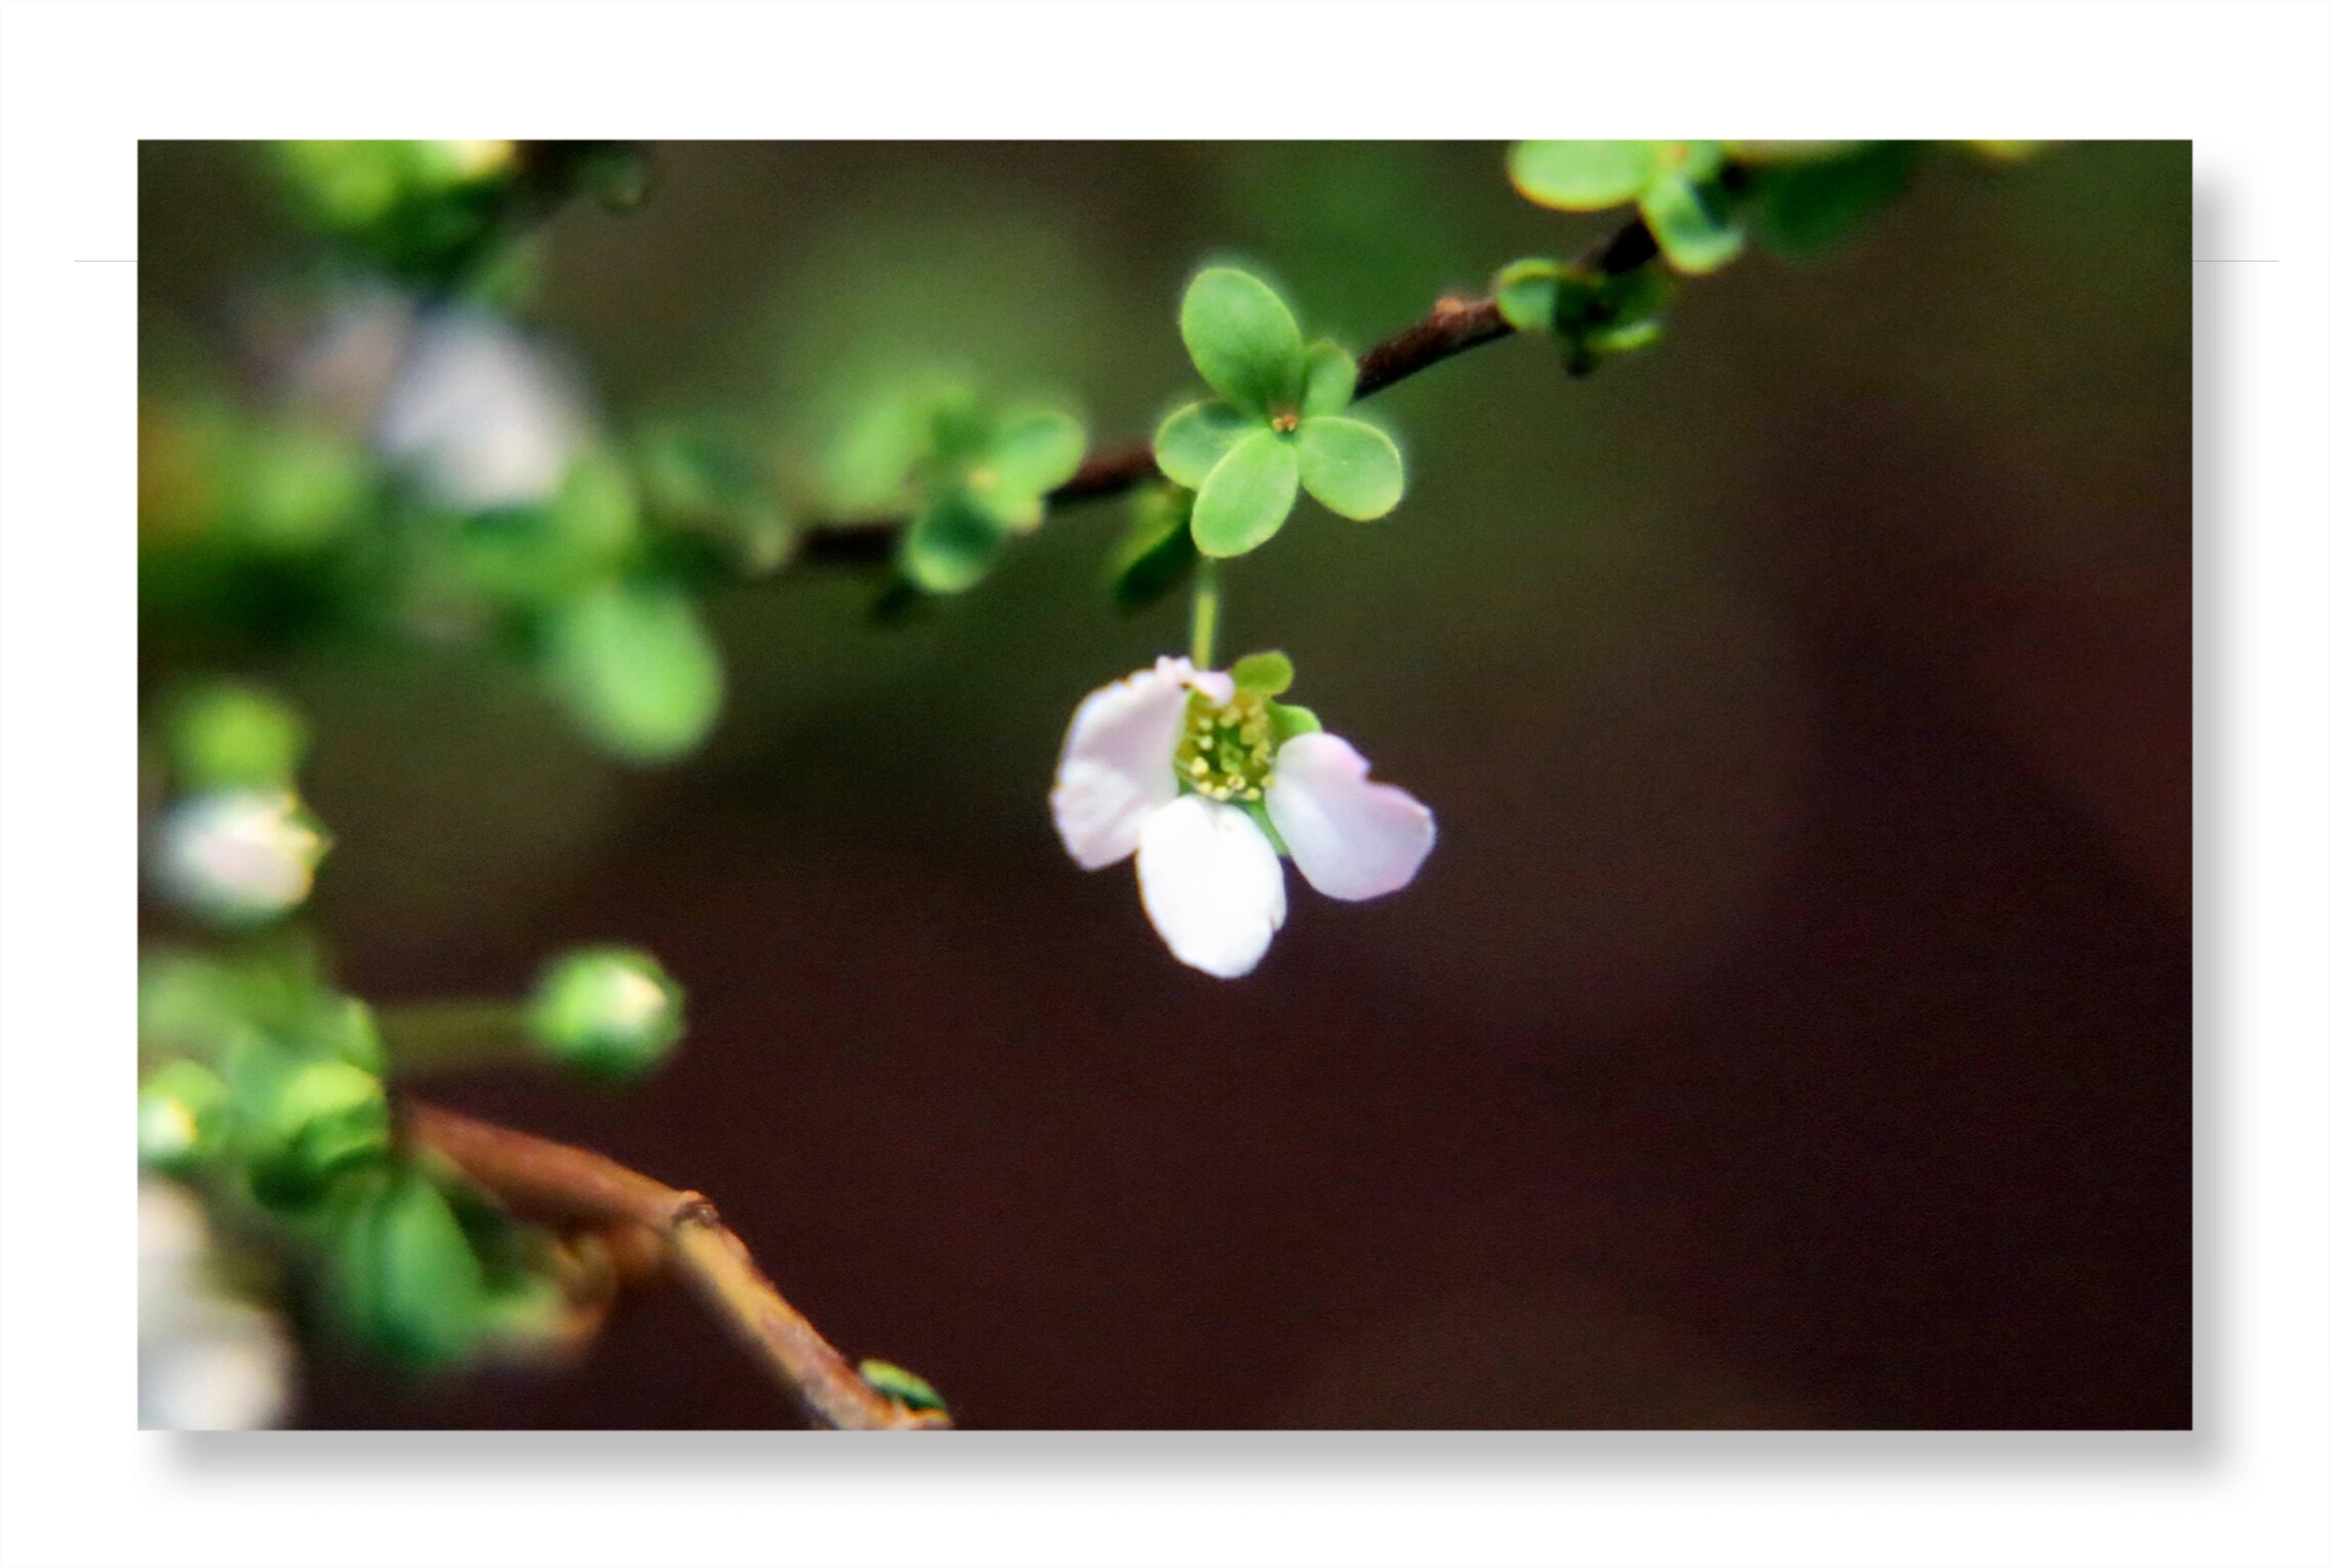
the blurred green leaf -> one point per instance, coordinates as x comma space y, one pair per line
410, 1285
1349, 467
951, 544
1247, 497
1582, 176
229, 735
636, 670
1155, 553
1526, 291
306, 1123
1035, 450
1806, 205
1196, 435
1689, 223
1243, 341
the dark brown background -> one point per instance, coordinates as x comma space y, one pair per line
1793, 1026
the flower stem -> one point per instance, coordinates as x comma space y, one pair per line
1205, 612
455, 1036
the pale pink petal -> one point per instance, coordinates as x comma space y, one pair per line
1211, 884
1117, 766
1351, 838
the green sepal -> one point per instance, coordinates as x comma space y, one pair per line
1574, 176
1801, 207
1349, 467
1155, 553
1196, 435
227, 735
1694, 231
1330, 376
1264, 674
636, 670
1243, 341
1288, 720
1526, 291
892, 1381
1247, 497
1260, 816
409, 1286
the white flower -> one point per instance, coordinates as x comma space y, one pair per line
206, 1361
1166, 766
487, 416
240, 855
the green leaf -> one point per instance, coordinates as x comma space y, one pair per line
1243, 341
637, 670
1155, 552
1805, 206
1582, 176
1035, 450
1193, 438
1288, 720
597, 509
227, 735
1349, 467
951, 544
894, 1382
1526, 291
1692, 230
1329, 377
1596, 314
409, 1284
1265, 675
1248, 497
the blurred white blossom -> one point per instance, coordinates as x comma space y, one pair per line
206, 1361
239, 855
483, 414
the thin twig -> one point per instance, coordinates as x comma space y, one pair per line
1457, 323
555, 1181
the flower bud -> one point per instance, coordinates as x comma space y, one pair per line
610, 1011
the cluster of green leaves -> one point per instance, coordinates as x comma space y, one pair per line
1701, 201
268, 1089
433, 212
1277, 423
255, 533
970, 474
264, 1086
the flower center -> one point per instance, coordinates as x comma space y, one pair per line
1226, 749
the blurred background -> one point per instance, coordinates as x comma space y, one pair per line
1792, 1027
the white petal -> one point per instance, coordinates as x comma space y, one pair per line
1211, 884
1351, 838
1117, 766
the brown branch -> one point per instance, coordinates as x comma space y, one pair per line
1457, 323
557, 1182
